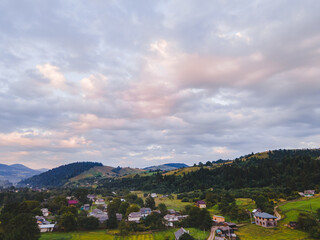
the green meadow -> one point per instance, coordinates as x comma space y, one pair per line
105, 235
289, 212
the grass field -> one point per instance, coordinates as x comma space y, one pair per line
289, 212
254, 232
292, 209
170, 203
103, 235
246, 203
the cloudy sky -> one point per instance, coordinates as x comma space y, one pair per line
139, 83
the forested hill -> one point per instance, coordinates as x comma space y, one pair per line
59, 176
291, 170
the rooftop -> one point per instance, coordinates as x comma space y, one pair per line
264, 215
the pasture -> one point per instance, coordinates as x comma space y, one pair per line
109, 235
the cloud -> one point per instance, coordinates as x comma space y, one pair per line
132, 83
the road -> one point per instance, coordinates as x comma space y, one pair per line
213, 233
277, 214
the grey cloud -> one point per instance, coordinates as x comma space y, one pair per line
176, 100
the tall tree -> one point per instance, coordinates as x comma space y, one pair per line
150, 203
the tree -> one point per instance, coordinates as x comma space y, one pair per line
81, 195
139, 201
163, 209
132, 208
306, 221
123, 207
68, 222
206, 221
131, 198
154, 221
88, 223
150, 203
22, 226
123, 228
112, 222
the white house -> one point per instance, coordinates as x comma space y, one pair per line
170, 219
45, 212
154, 195
46, 227
99, 201
134, 217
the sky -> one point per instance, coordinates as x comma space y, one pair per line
141, 83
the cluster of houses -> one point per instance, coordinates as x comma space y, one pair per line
43, 224
225, 230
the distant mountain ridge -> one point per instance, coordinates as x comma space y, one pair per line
167, 167
16, 172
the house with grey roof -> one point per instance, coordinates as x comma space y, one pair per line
265, 219
145, 212
180, 232
134, 217
102, 216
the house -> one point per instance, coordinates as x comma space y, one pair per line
41, 220
179, 233
156, 211
100, 201
72, 202
171, 211
145, 212
170, 219
134, 217
309, 193
292, 225
265, 219
231, 225
45, 212
154, 195
119, 216
85, 207
218, 219
226, 232
97, 213
91, 197
201, 204
254, 211
46, 227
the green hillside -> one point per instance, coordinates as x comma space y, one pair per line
106, 172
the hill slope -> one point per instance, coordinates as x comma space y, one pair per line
59, 176
106, 172
167, 167
16, 172
290, 170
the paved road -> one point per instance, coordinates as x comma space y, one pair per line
213, 233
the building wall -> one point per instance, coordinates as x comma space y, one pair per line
218, 219
265, 222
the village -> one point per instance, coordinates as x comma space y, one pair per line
220, 230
